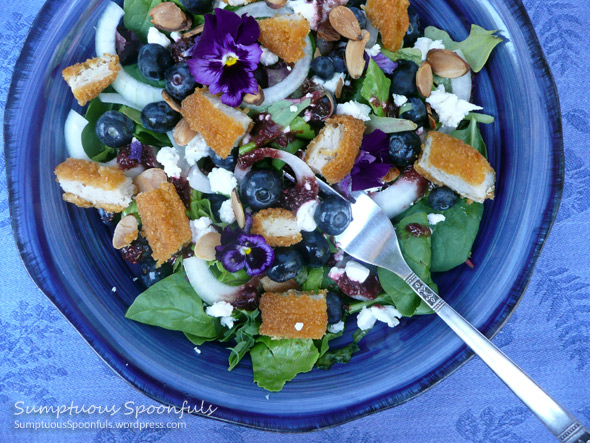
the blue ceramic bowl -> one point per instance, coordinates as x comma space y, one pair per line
67, 250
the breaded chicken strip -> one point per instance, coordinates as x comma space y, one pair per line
90, 78
278, 226
390, 17
285, 35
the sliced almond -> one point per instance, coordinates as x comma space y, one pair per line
339, 86
205, 246
183, 133
327, 32
169, 17
196, 31
125, 232
447, 64
171, 102
150, 179
431, 119
317, 53
391, 175
345, 23
355, 55
275, 4
272, 286
424, 79
236, 205
254, 99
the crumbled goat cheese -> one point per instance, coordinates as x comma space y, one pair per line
114, 289
293, 108
267, 396
336, 327
169, 158
200, 227
329, 85
299, 326
451, 109
305, 216
374, 50
424, 44
335, 273
197, 350
224, 310
222, 181
367, 318
399, 100
219, 4
158, 38
268, 57
228, 321
226, 212
196, 150
175, 35
356, 272
307, 10
236, 2
434, 219
354, 109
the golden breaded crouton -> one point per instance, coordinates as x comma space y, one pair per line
294, 314
164, 221
89, 184
285, 35
278, 226
221, 126
333, 152
448, 161
90, 78
390, 17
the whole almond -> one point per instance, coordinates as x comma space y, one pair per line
345, 23
275, 4
424, 79
255, 99
125, 232
183, 133
355, 55
447, 64
327, 32
205, 246
169, 17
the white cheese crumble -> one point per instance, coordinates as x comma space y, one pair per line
196, 150
298, 326
219, 4
224, 310
197, 350
367, 318
354, 109
293, 108
374, 50
306, 10
268, 57
329, 85
114, 289
305, 216
335, 273
434, 219
356, 272
156, 37
226, 212
451, 109
399, 100
169, 158
336, 327
222, 181
424, 44
175, 35
227, 322
200, 227
236, 2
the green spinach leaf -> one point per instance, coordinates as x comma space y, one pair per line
145, 136
199, 206
472, 136
342, 355
137, 18
282, 114
275, 362
315, 277
390, 125
375, 88
133, 71
245, 338
414, 55
92, 145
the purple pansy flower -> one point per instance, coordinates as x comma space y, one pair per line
372, 163
226, 56
384, 63
136, 149
239, 250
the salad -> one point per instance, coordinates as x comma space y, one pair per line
207, 126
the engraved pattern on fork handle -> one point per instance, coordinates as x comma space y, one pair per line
423, 290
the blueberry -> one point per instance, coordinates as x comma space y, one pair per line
115, 129
179, 81
108, 218
333, 215
403, 79
322, 67
442, 198
151, 275
415, 29
325, 47
159, 117
334, 308
356, 3
287, 264
228, 163
198, 6
338, 61
404, 148
153, 61
216, 202
314, 249
417, 113
360, 16
262, 188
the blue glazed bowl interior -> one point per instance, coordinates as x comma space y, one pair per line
69, 254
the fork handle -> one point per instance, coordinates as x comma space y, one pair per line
559, 421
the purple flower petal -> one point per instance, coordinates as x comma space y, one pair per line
386, 65
136, 149
377, 143
233, 259
239, 250
205, 72
369, 177
249, 31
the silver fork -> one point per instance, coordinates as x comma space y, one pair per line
371, 238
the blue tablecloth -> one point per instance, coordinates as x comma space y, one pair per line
43, 360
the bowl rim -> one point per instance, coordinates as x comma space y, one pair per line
454, 363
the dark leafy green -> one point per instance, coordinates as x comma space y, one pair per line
144, 135
342, 355
245, 338
291, 148
133, 71
471, 134
92, 145
301, 129
375, 88
315, 277
275, 362
137, 18
199, 206
414, 55
229, 278
172, 303
281, 111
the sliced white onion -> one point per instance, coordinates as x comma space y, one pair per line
462, 86
130, 89
198, 181
117, 99
299, 167
373, 33
207, 287
73, 128
299, 73
402, 194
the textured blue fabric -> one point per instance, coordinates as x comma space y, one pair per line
44, 361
